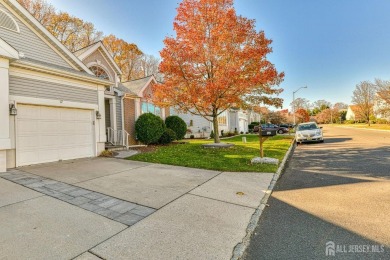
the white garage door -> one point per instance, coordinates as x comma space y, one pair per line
47, 134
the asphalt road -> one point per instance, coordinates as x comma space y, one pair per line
337, 191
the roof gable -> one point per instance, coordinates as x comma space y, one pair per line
98, 46
138, 86
42, 44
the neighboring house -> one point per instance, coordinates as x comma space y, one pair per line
382, 105
137, 100
238, 120
51, 104
199, 126
228, 121
352, 113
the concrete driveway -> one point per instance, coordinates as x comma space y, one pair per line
119, 209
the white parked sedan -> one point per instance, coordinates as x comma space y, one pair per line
308, 132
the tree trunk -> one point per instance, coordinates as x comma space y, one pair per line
216, 131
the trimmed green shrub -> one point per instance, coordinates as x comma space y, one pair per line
192, 136
149, 128
177, 125
167, 137
212, 134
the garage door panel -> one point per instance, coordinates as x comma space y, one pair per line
50, 114
32, 112
28, 142
48, 141
46, 134
48, 127
28, 127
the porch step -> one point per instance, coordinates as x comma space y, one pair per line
111, 147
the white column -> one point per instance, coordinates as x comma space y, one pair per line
113, 113
5, 141
163, 113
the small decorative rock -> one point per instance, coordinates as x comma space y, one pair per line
266, 160
217, 145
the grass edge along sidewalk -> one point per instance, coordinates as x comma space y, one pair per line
234, 159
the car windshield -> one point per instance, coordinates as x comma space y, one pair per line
307, 127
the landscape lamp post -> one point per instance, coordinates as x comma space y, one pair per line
294, 101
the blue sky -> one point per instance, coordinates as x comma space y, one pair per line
328, 45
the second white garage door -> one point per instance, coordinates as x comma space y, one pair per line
47, 134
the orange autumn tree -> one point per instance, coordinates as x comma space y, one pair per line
302, 115
216, 59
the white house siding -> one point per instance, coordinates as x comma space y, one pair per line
350, 114
30, 44
28, 87
199, 126
238, 121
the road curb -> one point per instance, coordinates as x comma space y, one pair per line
240, 248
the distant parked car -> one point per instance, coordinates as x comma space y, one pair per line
308, 132
279, 130
286, 125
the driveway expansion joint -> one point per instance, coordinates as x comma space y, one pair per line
205, 197
122, 211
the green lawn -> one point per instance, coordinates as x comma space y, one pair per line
236, 158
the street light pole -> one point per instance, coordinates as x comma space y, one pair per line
294, 101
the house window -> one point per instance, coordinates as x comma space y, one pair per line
102, 74
99, 72
222, 120
150, 108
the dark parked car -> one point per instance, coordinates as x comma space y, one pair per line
279, 130
286, 125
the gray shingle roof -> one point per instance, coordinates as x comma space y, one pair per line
137, 85
125, 90
81, 51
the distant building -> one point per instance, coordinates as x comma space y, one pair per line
382, 105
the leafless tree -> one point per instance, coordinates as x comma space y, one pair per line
363, 96
340, 105
382, 97
300, 103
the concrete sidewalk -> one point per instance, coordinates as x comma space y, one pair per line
198, 214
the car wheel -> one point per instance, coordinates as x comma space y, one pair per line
280, 131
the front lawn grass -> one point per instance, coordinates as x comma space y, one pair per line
235, 159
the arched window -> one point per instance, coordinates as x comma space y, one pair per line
99, 72
7, 22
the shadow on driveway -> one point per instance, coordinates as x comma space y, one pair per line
289, 233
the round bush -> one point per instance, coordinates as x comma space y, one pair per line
149, 128
177, 125
167, 137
